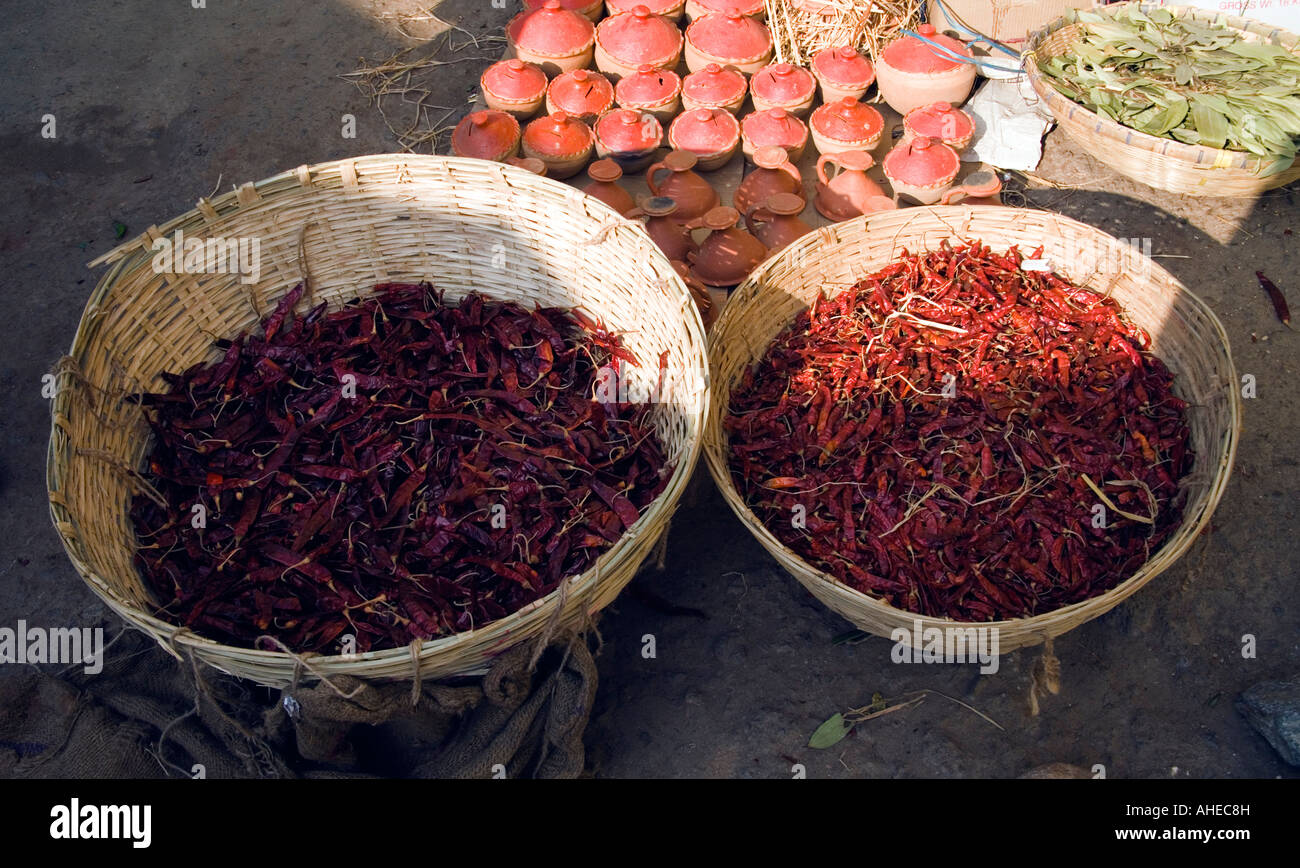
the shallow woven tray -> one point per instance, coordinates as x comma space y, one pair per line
462, 224
1165, 164
1185, 333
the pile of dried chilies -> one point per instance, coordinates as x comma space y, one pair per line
400, 468
963, 438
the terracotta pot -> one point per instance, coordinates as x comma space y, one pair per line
783, 86
581, 94
552, 37
664, 226
658, 91
729, 39
776, 222
604, 175
842, 72
589, 9
749, 8
670, 9
630, 40
847, 125
487, 135
699, 293
911, 73
774, 174
979, 188
531, 164
729, 254
941, 121
714, 87
514, 86
712, 135
693, 195
922, 169
848, 192
629, 137
774, 127
563, 143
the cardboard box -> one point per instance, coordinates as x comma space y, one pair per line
1009, 21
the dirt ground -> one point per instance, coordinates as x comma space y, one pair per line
157, 104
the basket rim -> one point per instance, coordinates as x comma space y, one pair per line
716, 451
1192, 156
330, 177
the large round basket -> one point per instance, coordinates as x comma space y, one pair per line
1185, 332
1156, 161
463, 225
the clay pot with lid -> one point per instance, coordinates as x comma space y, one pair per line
783, 86
670, 9
773, 127
911, 73
693, 195
749, 8
581, 94
589, 9
657, 91
626, 41
514, 86
552, 37
846, 125
922, 169
529, 164
729, 254
714, 86
486, 135
776, 221
848, 192
604, 175
774, 174
563, 143
629, 137
712, 135
664, 228
842, 72
729, 39
941, 121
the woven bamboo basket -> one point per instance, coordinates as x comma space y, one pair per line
1158, 162
462, 224
1186, 335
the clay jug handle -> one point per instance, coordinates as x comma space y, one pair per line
821, 167
756, 214
650, 177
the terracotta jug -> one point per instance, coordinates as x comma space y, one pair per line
776, 222
663, 227
729, 254
672, 177
604, 175
848, 193
775, 174
700, 293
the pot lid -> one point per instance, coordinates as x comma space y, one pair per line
721, 217
659, 206
648, 86
744, 7
605, 171
714, 84
551, 30
847, 120
581, 92
912, 55
940, 121
731, 36
774, 127
770, 156
785, 204
484, 134
628, 130
783, 83
656, 7
844, 66
515, 79
705, 131
557, 134
922, 162
639, 36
